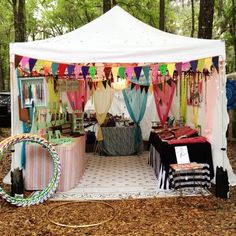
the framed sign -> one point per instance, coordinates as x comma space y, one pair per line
181, 153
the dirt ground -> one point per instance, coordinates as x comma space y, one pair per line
202, 215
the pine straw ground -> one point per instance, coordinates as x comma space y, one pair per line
161, 216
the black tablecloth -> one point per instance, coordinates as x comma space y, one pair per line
198, 152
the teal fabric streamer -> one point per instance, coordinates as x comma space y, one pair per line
136, 102
26, 127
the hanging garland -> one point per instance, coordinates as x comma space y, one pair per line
39, 196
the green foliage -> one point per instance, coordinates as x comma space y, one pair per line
49, 18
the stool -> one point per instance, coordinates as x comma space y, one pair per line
189, 175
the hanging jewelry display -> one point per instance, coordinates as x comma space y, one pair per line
194, 96
33, 90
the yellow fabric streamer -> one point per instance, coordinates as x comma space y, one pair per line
195, 116
183, 98
53, 97
102, 102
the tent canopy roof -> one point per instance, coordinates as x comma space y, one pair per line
118, 37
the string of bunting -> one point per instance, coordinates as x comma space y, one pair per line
107, 74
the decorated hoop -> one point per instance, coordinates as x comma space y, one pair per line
39, 196
82, 225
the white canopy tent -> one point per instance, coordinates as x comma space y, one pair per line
118, 37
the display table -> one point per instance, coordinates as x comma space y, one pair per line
162, 155
120, 141
39, 165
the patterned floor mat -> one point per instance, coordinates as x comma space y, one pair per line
119, 177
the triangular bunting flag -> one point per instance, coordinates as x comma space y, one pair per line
137, 86
215, 61
154, 73
146, 88
104, 82
100, 70
132, 85
70, 69
107, 71
62, 69
169, 82
17, 60
90, 85
194, 65
54, 68
200, 64
84, 71
121, 72
146, 70
141, 88
32, 62
160, 86
185, 66
109, 82
47, 67
150, 88
162, 69
208, 63
92, 71
95, 84
129, 71
160, 102
171, 68
77, 70
24, 62
178, 67
114, 73
137, 71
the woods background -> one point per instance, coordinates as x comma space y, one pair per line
27, 20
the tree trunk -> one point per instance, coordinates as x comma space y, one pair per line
193, 21
106, 5
234, 32
206, 19
162, 15
2, 85
19, 20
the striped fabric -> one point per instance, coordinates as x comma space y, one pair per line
154, 160
190, 178
39, 165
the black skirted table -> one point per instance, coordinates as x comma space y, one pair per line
120, 141
162, 155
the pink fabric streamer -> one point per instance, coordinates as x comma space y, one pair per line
78, 98
163, 100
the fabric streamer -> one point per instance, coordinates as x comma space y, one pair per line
136, 102
163, 96
78, 98
183, 98
39, 196
102, 102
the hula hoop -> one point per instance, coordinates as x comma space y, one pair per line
82, 225
39, 196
